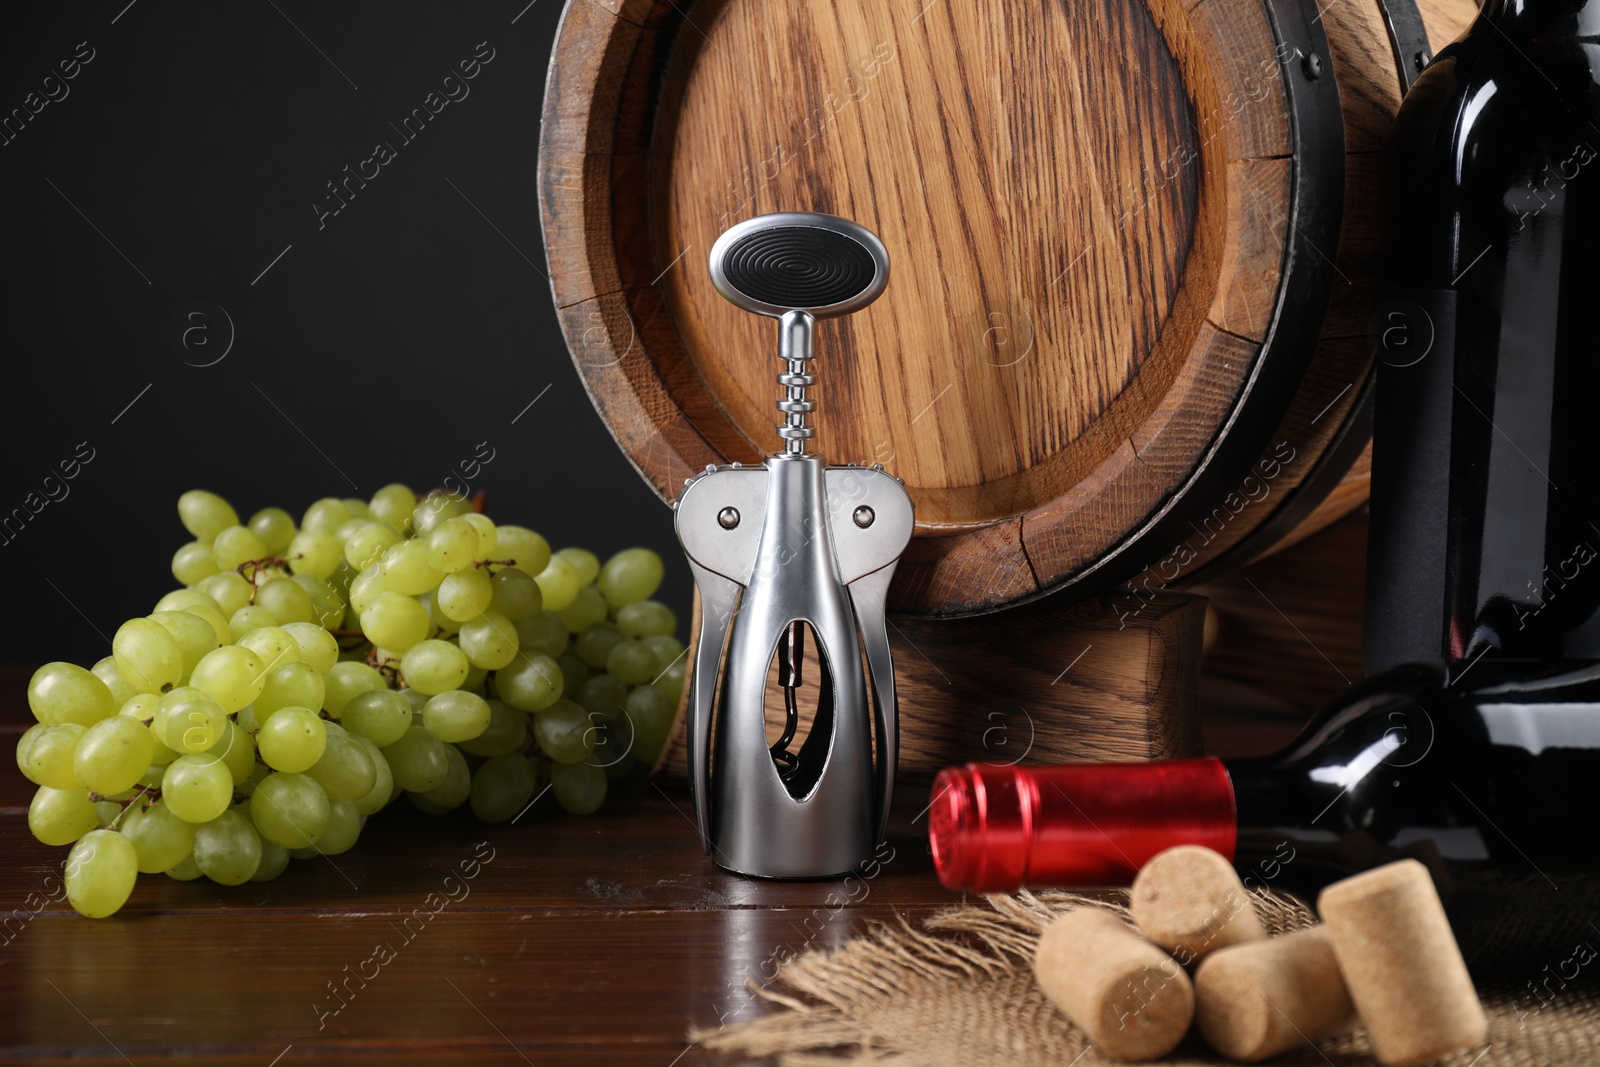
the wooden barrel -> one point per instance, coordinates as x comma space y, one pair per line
1134, 248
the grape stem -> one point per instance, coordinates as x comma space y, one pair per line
153, 792
389, 667
494, 563
259, 567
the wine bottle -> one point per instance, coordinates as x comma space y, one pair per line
1503, 775
1486, 490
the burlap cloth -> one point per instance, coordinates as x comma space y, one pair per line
959, 990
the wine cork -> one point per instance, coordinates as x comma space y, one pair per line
1260, 998
1132, 999
1189, 899
1402, 964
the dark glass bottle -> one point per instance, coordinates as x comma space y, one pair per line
1505, 775
1486, 479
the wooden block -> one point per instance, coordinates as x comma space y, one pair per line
1088, 682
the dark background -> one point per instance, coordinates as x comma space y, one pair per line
384, 346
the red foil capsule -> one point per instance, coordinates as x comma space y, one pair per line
995, 829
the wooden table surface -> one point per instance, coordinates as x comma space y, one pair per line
599, 939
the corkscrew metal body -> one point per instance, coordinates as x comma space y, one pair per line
782, 548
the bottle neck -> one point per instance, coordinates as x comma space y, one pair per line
1566, 18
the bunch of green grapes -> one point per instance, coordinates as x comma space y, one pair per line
306, 676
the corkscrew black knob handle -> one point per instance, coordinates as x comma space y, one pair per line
799, 261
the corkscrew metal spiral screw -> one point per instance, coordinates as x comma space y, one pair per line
790, 545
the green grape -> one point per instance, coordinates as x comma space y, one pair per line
456, 716
558, 583
193, 562
160, 839
586, 609
651, 714
238, 751
646, 618
603, 695
205, 515
574, 672
452, 546
325, 515
344, 826
317, 646
185, 870
112, 755
543, 632
489, 641
530, 683
631, 663
185, 600
395, 622
231, 590
393, 504
586, 563
465, 595
579, 788
516, 594
435, 509
379, 715
65, 692
197, 788
160, 757
528, 551
285, 598
672, 679
488, 536
148, 657
194, 635
345, 530
364, 589
406, 569
417, 760
502, 787
101, 870
416, 700
202, 608
188, 720
25, 745
507, 730
106, 812
295, 685
367, 544
564, 732
383, 787
452, 792
275, 527
227, 849
613, 747
594, 645
358, 508
52, 758
327, 605
274, 860
430, 603
434, 666
345, 771
273, 645
292, 740
250, 617
246, 720
105, 669
61, 816
631, 575
666, 649
315, 553
289, 809
230, 675
237, 545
